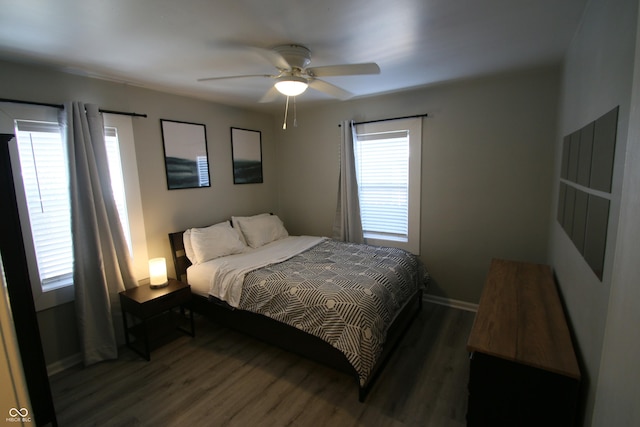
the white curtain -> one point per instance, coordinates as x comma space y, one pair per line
347, 226
101, 259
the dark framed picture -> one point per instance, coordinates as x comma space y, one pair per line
185, 154
246, 152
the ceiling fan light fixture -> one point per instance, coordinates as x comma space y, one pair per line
291, 85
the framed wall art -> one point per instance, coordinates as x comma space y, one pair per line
246, 148
185, 154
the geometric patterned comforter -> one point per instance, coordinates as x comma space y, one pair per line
344, 293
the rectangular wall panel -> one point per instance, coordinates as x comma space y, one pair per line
584, 157
566, 148
574, 153
596, 233
579, 219
604, 143
569, 204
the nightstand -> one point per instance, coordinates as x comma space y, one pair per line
156, 311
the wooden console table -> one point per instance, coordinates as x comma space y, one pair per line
524, 370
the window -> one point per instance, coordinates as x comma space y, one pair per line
203, 171
117, 180
124, 155
387, 156
46, 189
42, 188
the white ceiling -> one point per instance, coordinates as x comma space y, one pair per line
169, 44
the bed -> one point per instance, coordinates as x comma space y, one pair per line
341, 304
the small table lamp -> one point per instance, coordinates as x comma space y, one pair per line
158, 273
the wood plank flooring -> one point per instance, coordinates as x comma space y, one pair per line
223, 378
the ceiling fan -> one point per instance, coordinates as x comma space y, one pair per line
293, 76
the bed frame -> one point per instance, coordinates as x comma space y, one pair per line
288, 337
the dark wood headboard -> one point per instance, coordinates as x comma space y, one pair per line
180, 260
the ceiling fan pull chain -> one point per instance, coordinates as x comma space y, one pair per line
295, 113
286, 110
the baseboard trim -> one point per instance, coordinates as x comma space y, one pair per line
64, 364
453, 303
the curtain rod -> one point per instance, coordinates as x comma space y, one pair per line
389, 119
61, 107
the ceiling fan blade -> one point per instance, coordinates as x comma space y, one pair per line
235, 77
271, 95
274, 58
329, 89
344, 70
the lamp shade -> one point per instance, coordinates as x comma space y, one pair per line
158, 272
291, 85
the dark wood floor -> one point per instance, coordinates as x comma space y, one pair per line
224, 378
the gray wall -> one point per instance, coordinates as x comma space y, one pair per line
164, 211
619, 377
487, 167
597, 77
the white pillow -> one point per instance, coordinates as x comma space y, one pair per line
188, 247
263, 229
237, 221
215, 241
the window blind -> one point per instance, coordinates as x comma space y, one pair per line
203, 171
382, 168
46, 183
